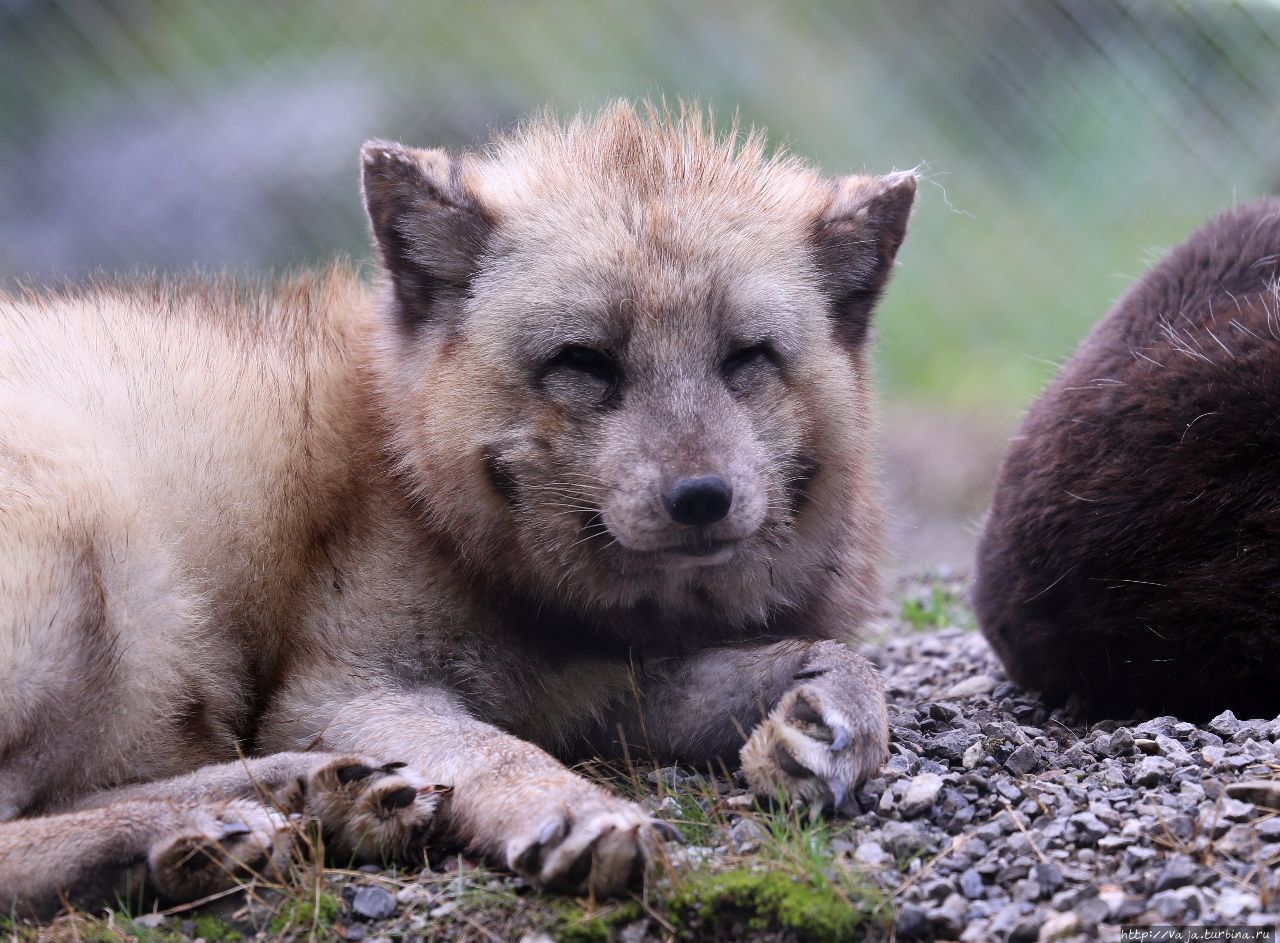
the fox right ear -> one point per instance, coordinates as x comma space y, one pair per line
430, 230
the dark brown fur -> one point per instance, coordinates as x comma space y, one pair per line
1132, 553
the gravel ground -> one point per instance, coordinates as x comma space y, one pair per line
993, 820
1042, 827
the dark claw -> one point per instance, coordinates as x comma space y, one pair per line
392, 767
837, 794
668, 832
351, 774
636, 875
553, 832
581, 868
842, 738
791, 766
235, 830
398, 798
804, 712
530, 860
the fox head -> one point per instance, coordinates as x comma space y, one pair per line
624, 360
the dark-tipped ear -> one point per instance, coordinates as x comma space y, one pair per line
430, 231
856, 240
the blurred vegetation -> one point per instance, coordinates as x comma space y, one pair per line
1066, 143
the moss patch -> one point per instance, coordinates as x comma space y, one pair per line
578, 925
215, 931
721, 905
307, 912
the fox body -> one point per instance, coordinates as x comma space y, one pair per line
589, 470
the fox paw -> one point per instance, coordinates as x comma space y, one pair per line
597, 844
808, 750
370, 811
221, 847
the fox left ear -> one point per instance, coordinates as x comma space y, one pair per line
855, 242
431, 232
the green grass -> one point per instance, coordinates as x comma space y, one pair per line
936, 605
791, 884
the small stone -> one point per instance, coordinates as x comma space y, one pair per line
415, 895
356, 932
1224, 725
905, 839
1088, 828
1178, 872
667, 776
1212, 755
974, 754
1269, 830
871, 854
1137, 857
971, 884
1114, 897
1076, 757
1234, 902
948, 920
1121, 743
1259, 792
969, 687
1238, 840
1192, 899
1233, 810
1025, 890
1022, 760
921, 793
1172, 750
1112, 843
747, 831
1168, 905
373, 903
1049, 876
1152, 771
1059, 927
150, 921
635, 932
910, 923
941, 712
1090, 908
1026, 929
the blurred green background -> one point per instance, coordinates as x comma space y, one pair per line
1065, 145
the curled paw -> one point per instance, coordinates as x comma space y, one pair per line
370, 811
220, 847
598, 845
809, 750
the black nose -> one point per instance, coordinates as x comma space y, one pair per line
701, 500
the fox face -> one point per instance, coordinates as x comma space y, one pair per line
624, 358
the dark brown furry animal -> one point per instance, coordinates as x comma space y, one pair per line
1132, 553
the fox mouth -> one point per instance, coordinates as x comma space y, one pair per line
695, 548
700, 547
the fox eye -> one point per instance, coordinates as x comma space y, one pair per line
738, 365
576, 371
586, 360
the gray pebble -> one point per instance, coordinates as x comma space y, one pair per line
1177, 872
921, 793
971, 884
1022, 760
1152, 771
373, 903
1260, 792
910, 923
